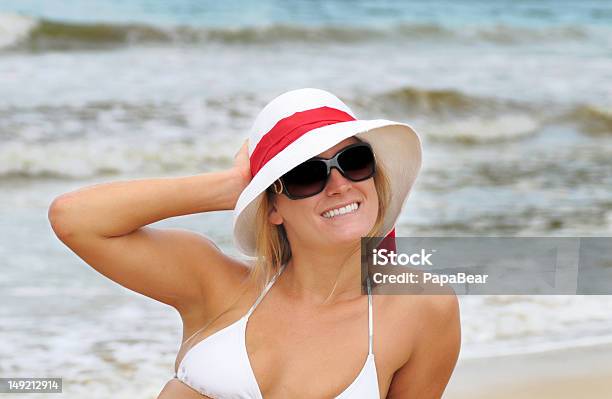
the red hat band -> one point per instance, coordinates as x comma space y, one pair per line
289, 129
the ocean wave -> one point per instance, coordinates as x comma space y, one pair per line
118, 138
15, 28
502, 34
477, 130
443, 105
29, 33
86, 158
591, 119
438, 101
454, 116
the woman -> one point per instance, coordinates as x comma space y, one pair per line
310, 182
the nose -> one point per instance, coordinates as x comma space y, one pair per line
337, 183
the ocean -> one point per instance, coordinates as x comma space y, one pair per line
513, 101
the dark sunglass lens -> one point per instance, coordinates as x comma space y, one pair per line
306, 179
357, 163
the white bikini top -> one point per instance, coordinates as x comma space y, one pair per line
219, 367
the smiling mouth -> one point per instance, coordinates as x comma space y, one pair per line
342, 211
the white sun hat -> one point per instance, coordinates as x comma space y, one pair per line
300, 124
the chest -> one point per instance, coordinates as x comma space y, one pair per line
282, 352
307, 355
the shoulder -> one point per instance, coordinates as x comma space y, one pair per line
431, 314
440, 308
215, 269
431, 305
434, 346
219, 275
222, 289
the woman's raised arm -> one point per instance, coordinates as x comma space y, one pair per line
106, 225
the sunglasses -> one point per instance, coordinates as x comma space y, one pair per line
355, 162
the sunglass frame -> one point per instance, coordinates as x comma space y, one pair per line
329, 163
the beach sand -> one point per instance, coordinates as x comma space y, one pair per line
581, 372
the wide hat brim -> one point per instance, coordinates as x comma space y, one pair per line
396, 146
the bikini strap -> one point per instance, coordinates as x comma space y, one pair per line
370, 318
264, 292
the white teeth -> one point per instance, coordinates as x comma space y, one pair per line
341, 211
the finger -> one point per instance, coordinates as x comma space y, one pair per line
240, 149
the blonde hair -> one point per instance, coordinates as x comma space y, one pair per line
272, 246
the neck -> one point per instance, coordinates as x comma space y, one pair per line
327, 278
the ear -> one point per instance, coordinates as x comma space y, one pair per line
274, 216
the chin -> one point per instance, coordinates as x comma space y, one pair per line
346, 231
349, 235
